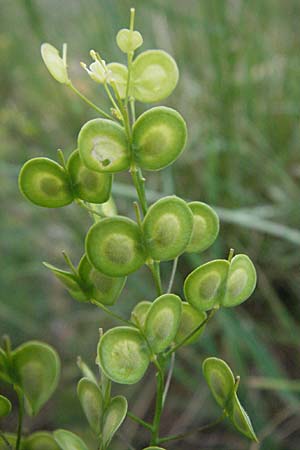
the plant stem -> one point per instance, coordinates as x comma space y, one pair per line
177, 437
173, 273
158, 406
154, 267
112, 314
91, 104
169, 377
139, 421
20, 416
139, 184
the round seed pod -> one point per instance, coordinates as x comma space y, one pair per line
241, 281
40, 440
159, 137
129, 40
191, 318
91, 401
103, 146
102, 288
240, 419
45, 183
88, 185
205, 229
114, 246
204, 288
154, 75
68, 440
119, 73
114, 417
162, 322
123, 355
154, 448
139, 313
167, 228
54, 63
5, 406
220, 380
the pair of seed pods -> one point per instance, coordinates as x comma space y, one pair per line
117, 246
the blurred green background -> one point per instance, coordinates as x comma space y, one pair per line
240, 94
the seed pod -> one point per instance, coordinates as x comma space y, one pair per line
162, 322
102, 288
155, 75
113, 418
167, 228
12, 440
91, 400
54, 63
119, 74
139, 313
191, 318
40, 440
5, 406
45, 183
68, 440
204, 288
88, 185
205, 229
129, 40
114, 246
36, 367
159, 137
241, 281
103, 146
123, 355
69, 281
220, 380
154, 448
240, 419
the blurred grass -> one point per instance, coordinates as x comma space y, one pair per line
240, 94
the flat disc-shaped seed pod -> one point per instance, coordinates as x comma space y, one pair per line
54, 63
69, 281
36, 367
241, 281
68, 440
91, 400
103, 288
5, 406
204, 288
191, 318
45, 183
159, 137
154, 76
205, 229
113, 418
139, 313
41, 440
114, 246
220, 380
167, 228
103, 146
119, 74
123, 355
129, 40
240, 419
88, 185
154, 448
162, 322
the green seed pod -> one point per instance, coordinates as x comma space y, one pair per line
167, 228
5, 406
191, 318
139, 313
103, 146
220, 380
69, 281
12, 440
54, 63
114, 246
204, 288
91, 400
162, 322
102, 288
240, 419
88, 185
129, 40
36, 367
41, 440
119, 74
241, 281
123, 355
86, 371
69, 441
155, 75
45, 183
154, 448
205, 229
159, 137
113, 418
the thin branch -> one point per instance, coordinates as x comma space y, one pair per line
139, 421
169, 377
173, 273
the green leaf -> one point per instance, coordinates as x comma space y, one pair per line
191, 318
123, 355
129, 40
205, 229
5, 406
162, 322
113, 418
45, 183
139, 313
240, 419
41, 440
220, 380
36, 367
159, 137
91, 401
241, 281
69, 441
54, 63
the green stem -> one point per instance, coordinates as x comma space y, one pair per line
169, 377
139, 184
173, 273
139, 421
20, 416
112, 314
91, 104
89, 209
155, 270
158, 406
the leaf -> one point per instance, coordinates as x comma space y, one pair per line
5, 406
69, 441
113, 418
91, 401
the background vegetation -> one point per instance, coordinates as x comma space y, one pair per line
240, 94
